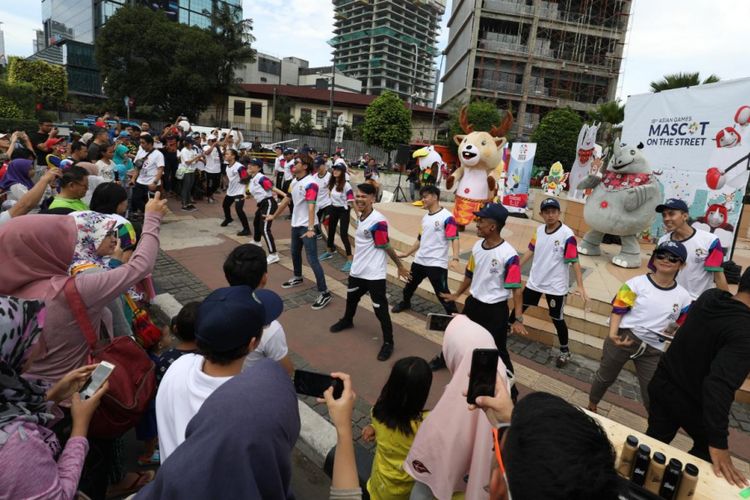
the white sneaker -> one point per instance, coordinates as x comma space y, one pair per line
272, 258
256, 243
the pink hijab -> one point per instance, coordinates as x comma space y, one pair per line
453, 441
37, 251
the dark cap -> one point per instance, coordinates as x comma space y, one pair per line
549, 203
672, 204
230, 317
340, 166
674, 247
257, 162
288, 151
493, 211
319, 161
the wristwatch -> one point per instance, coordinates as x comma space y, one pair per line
519, 319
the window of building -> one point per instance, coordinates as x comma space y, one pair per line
357, 120
336, 115
320, 118
256, 110
270, 66
239, 108
305, 113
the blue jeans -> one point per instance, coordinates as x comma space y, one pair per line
311, 249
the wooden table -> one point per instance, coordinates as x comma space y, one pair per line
709, 487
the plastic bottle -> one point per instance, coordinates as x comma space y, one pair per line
671, 479
625, 467
655, 472
688, 483
640, 466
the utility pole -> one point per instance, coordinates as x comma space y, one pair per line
330, 108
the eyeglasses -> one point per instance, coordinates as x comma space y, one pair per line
497, 435
667, 256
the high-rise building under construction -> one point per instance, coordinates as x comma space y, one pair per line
389, 45
535, 55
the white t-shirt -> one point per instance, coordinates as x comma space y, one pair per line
235, 187
106, 170
277, 164
151, 164
260, 187
647, 308
370, 242
288, 175
213, 165
704, 257
324, 194
304, 192
435, 236
342, 199
181, 394
185, 155
200, 164
493, 272
553, 252
272, 345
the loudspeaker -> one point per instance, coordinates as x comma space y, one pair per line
403, 154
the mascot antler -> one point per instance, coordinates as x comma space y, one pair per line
463, 120
504, 126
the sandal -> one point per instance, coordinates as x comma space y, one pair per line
142, 479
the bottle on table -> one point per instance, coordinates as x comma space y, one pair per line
641, 465
655, 473
625, 467
671, 479
688, 483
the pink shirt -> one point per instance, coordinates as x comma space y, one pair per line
28, 469
65, 347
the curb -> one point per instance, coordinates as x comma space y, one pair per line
317, 435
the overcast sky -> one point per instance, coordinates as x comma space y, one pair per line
666, 36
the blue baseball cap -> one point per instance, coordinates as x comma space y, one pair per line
257, 162
493, 211
230, 317
549, 203
673, 204
318, 161
674, 247
288, 151
124, 134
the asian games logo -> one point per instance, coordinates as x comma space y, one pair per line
494, 266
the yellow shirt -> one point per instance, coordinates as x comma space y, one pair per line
388, 480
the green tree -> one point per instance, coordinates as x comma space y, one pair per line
557, 138
173, 66
608, 114
680, 80
303, 126
19, 100
49, 81
282, 113
234, 36
387, 123
481, 114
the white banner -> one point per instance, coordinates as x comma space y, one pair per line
518, 176
697, 141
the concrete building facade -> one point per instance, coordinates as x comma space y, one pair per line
533, 56
292, 71
389, 45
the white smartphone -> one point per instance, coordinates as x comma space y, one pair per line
100, 375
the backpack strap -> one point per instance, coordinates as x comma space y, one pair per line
78, 308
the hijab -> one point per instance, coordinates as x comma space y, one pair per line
17, 173
453, 441
38, 250
92, 227
21, 323
239, 444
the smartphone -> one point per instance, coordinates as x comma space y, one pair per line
151, 195
315, 384
438, 322
100, 375
483, 374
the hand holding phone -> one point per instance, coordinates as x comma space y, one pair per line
315, 384
100, 375
438, 322
483, 374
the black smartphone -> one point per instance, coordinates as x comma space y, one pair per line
315, 384
438, 322
483, 374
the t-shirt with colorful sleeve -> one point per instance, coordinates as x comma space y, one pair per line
370, 242
343, 198
553, 252
647, 308
435, 234
493, 272
304, 192
704, 258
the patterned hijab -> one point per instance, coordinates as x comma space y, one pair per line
21, 323
92, 229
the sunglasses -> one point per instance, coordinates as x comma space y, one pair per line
667, 256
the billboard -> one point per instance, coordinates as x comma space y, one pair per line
518, 176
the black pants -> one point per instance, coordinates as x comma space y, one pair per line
358, 287
670, 410
212, 183
280, 180
438, 277
261, 226
494, 318
339, 216
285, 188
239, 207
139, 198
555, 305
322, 214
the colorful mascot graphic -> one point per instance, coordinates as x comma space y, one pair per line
431, 166
585, 153
622, 202
729, 151
480, 153
554, 182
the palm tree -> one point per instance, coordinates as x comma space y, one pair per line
680, 80
610, 114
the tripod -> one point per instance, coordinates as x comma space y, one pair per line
399, 189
